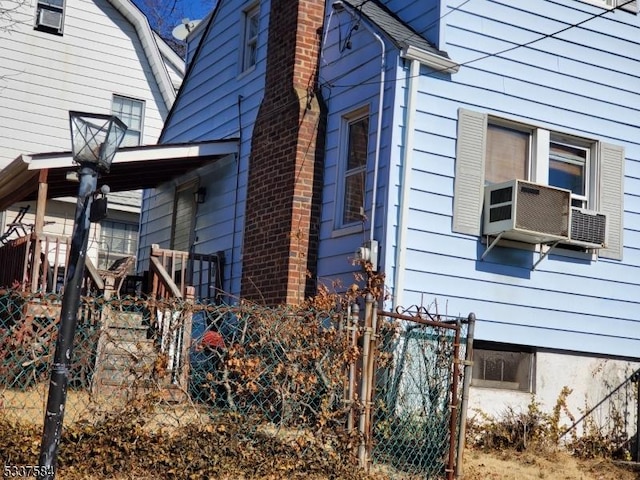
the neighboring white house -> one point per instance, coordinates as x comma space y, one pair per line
97, 56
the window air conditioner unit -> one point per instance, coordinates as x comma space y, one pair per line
527, 212
588, 228
50, 19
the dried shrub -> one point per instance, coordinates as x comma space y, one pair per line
533, 429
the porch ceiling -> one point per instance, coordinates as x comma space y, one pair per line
133, 168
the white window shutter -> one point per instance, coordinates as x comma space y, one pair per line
612, 198
628, 5
469, 182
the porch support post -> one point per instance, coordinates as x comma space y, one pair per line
41, 204
43, 189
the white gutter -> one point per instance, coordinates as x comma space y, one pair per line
405, 190
376, 155
133, 154
150, 47
429, 59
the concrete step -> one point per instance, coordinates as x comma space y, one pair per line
127, 334
137, 348
126, 320
127, 362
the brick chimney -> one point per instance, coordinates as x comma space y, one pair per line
285, 167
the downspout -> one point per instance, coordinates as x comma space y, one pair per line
376, 155
340, 6
407, 162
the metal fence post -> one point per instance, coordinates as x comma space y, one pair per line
468, 372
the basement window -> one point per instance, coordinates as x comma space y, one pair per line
503, 367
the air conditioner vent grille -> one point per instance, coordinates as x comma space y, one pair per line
50, 19
588, 227
501, 195
542, 209
497, 214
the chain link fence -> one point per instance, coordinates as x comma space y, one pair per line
284, 389
416, 430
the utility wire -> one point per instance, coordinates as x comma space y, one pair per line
489, 55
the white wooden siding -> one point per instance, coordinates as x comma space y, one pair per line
44, 76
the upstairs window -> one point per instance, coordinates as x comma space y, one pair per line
50, 16
492, 150
131, 112
356, 149
525, 153
250, 45
507, 154
569, 169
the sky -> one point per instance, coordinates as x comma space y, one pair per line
173, 11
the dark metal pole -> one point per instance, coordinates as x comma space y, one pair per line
54, 414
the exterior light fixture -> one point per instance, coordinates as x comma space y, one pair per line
200, 195
95, 139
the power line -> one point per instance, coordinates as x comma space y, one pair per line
489, 55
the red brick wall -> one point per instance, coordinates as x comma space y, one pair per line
285, 166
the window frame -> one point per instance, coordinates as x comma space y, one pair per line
132, 101
112, 256
539, 157
495, 350
50, 6
347, 121
248, 62
606, 177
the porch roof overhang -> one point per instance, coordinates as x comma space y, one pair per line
133, 168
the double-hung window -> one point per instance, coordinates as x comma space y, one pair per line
50, 16
492, 150
355, 152
117, 240
250, 43
534, 154
131, 112
569, 168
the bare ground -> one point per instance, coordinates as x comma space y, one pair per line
509, 465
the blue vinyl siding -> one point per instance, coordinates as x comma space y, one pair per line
582, 82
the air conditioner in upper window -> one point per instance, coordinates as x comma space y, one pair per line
50, 19
588, 228
527, 212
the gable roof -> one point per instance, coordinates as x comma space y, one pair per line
411, 43
206, 24
152, 48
